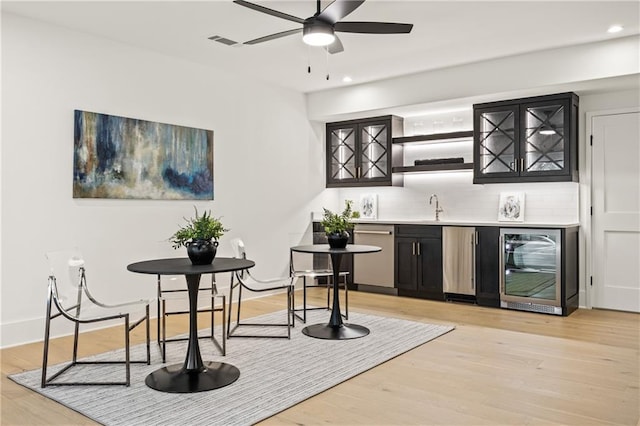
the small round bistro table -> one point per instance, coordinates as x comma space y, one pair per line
336, 329
194, 375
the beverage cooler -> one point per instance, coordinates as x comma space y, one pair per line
531, 270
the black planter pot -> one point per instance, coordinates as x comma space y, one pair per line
338, 239
202, 252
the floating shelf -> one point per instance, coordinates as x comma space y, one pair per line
434, 137
433, 168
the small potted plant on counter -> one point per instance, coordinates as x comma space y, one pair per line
200, 236
337, 226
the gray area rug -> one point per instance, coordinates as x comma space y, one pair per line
275, 374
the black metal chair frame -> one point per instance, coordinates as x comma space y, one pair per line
72, 314
315, 274
163, 314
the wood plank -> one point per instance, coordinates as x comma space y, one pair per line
497, 367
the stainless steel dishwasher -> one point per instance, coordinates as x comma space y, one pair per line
374, 272
458, 263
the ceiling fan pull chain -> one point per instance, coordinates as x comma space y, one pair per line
326, 51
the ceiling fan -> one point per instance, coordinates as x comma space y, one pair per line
320, 29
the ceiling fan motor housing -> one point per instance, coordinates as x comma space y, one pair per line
317, 29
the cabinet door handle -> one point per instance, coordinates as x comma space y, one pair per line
374, 232
501, 260
522, 164
473, 260
413, 248
418, 244
476, 237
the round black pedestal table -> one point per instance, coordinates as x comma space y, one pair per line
193, 375
336, 329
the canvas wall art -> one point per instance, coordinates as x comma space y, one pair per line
119, 157
511, 207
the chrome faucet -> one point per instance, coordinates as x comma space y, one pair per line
438, 208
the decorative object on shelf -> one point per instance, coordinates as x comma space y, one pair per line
337, 226
369, 206
119, 157
200, 236
434, 161
511, 207
422, 165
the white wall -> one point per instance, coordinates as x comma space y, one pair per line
522, 75
268, 164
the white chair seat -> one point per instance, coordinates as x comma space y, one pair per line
268, 284
136, 311
312, 273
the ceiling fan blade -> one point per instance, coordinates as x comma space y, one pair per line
373, 27
269, 11
335, 47
339, 9
273, 36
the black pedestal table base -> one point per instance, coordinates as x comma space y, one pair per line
175, 379
336, 329
193, 375
342, 332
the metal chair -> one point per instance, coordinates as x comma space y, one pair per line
244, 280
314, 274
69, 293
179, 295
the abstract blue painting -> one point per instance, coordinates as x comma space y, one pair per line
119, 157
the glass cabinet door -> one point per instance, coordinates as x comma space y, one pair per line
545, 143
374, 158
497, 141
342, 154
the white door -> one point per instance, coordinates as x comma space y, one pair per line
615, 197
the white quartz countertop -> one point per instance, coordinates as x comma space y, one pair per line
466, 223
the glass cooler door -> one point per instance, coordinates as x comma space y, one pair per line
530, 266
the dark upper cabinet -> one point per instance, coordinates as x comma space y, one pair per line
418, 261
487, 272
361, 153
526, 140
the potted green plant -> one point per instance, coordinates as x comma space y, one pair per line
200, 236
338, 225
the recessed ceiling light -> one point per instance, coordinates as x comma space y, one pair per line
615, 29
347, 79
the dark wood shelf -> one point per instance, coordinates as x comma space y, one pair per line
433, 168
434, 137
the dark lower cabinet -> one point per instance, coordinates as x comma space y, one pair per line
488, 266
418, 261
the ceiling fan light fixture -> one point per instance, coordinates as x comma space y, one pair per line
317, 33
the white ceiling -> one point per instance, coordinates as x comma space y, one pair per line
445, 33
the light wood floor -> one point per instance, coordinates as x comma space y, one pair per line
497, 367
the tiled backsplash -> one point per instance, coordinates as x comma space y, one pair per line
554, 202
